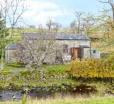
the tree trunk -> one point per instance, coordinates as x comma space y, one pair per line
112, 6
2, 60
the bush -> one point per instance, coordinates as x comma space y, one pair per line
92, 68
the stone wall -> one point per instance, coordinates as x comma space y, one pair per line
10, 56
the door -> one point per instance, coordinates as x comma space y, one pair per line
75, 53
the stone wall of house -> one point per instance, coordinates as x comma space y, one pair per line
10, 56
95, 54
87, 53
74, 43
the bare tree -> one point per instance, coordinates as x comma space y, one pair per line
73, 27
111, 3
88, 23
78, 20
76, 25
105, 25
56, 26
37, 52
53, 26
40, 28
11, 11
50, 25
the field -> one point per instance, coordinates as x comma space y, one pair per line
93, 77
67, 100
70, 100
47, 75
31, 79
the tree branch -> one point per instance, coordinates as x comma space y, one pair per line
104, 1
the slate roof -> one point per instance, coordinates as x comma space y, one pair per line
13, 46
72, 37
36, 36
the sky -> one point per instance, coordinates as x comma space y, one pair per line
62, 11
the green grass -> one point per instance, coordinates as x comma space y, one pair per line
53, 75
15, 77
20, 76
67, 100
70, 100
57, 68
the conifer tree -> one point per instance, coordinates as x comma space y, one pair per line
3, 40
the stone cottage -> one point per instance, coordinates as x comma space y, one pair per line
73, 45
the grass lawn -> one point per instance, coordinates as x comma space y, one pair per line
51, 75
67, 100
70, 100
16, 77
20, 76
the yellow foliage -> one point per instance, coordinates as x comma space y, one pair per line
92, 68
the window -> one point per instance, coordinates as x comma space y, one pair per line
94, 51
65, 48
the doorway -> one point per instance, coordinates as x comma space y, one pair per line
76, 53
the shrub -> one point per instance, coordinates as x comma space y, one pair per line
92, 68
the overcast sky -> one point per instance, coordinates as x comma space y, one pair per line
62, 11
